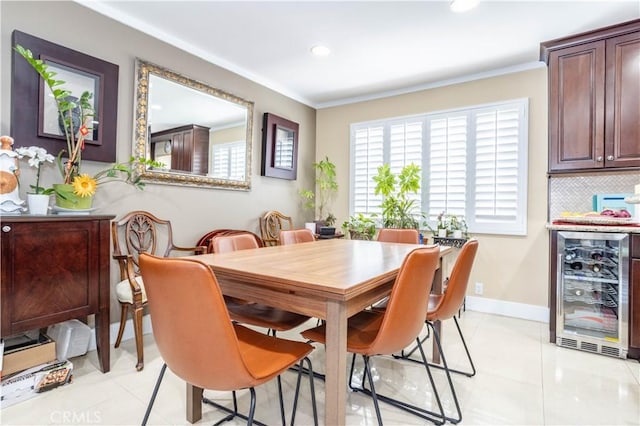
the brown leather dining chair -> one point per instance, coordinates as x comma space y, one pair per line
200, 344
135, 233
371, 333
256, 314
393, 235
296, 236
271, 223
445, 306
207, 238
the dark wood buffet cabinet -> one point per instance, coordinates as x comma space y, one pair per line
56, 268
594, 87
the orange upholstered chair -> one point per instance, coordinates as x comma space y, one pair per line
256, 314
135, 233
371, 333
392, 235
296, 236
200, 344
445, 306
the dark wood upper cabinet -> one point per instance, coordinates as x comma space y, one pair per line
594, 99
187, 146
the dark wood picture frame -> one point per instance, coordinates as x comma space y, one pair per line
28, 92
279, 147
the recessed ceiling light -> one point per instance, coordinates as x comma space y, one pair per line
320, 50
459, 6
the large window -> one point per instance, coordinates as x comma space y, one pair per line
473, 161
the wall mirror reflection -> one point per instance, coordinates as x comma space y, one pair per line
201, 134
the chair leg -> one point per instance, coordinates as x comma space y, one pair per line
312, 390
367, 372
282, 416
234, 413
446, 370
437, 418
124, 310
466, 349
137, 327
406, 355
154, 394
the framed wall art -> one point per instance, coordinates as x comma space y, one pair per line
34, 116
279, 147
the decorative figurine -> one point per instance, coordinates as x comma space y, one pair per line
10, 202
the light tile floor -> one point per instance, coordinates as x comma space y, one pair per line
522, 380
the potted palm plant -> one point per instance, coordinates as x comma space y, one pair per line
398, 208
319, 200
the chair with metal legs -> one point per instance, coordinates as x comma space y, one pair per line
296, 236
445, 306
371, 333
256, 314
200, 344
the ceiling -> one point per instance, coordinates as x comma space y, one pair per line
378, 48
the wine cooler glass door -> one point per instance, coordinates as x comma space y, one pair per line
592, 299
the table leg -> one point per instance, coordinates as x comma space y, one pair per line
336, 364
194, 403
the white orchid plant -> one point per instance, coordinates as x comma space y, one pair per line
37, 156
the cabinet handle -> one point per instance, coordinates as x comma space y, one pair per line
6, 228
559, 294
599, 158
610, 158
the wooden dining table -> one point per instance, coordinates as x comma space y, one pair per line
327, 279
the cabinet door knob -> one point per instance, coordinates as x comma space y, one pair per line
6, 228
610, 158
599, 158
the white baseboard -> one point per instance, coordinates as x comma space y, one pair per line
128, 331
479, 304
508, 309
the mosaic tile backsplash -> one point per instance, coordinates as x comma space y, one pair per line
574, 193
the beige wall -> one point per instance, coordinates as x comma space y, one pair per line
512, 269
192, 211
231, 134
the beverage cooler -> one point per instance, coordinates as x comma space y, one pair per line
592, 301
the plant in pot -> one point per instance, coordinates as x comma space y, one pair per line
359, 227
319, 201
398, 208
449, 225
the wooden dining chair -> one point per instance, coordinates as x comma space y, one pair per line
200, 344
257, 314
295, 236
371, 333
135, 233
271, 223
393, 235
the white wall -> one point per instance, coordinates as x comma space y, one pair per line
192, 211
512, 269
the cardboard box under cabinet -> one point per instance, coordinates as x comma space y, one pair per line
42, 351
28, 383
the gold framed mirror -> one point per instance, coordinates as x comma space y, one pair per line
201, 135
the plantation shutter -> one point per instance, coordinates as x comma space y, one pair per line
406, 148
447, 165
367, 154
497, 160
229, 161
